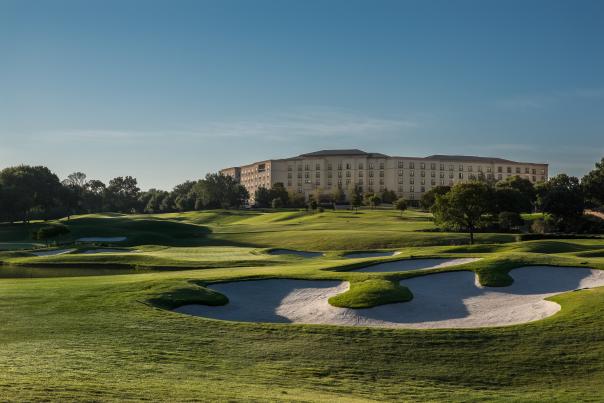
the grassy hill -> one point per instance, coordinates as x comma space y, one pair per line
108, 337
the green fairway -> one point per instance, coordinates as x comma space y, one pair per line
113, 337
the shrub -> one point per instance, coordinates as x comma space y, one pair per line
50, 231
509, 220
277, 203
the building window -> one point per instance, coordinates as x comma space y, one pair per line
317, 167
422, 165
499, 176
534, 179
423, 173
461, 167
347, 165
329, 166
412, 181
360, 165
360, 174
328, 182
412, 189
461, 175
423, 181
470, 168
371, 174
488, 169
381, 165
317, 174
370, 182
289, 175
509, 169
442, 182
534, 171
318, 182
348, 174
306, 175
381, 174
299, 190
289, 168
339, 166
299, 174
432, 165
451, 167
299, 167
423, 189
433, 182
400, 164
411, 173
400, 172
329, 174
370, 165
542, 171
433, 174
339, 174
307, 167
442, 167
442, 174
412, 165
400, 179
517, 170
499, 169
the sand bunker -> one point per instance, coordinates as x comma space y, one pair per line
103, 239
53, 252
414, 264
294, 252
441, 300
105, 250
359, 255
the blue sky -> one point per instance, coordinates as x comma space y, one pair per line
167, 91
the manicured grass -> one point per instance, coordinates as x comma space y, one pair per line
370, 293
112, 337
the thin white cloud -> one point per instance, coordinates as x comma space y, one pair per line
539, 101
310, 122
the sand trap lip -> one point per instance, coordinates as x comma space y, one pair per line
359, 255
441, 300
294, 252
103, 239
53, 252
414, 264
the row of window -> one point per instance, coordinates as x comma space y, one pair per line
422, 165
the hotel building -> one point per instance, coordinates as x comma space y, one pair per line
410, 177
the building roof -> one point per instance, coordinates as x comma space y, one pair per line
355, 151
473, 158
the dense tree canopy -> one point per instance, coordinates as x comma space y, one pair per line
562, 197
593, 185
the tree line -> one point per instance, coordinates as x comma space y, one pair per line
34, 192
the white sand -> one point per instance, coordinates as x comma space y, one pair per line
359, 255
414, 264
105, 250
103, 239
294, 252
441, 300
53, 252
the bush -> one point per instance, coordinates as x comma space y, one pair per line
50, 231
509, 220
277, 203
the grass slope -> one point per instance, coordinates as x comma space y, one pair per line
111, 337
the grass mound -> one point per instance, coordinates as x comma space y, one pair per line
189, 294
370, 293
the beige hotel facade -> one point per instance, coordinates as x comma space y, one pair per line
410, 177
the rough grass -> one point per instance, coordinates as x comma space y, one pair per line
110, 337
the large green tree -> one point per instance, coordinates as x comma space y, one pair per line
562, 197
593, 184
464, 207
429, 198
515, 194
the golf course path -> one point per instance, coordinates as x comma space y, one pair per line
441, 300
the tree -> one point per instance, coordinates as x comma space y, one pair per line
400, 205
562, 197
338, 196
50, 231
355, 197
593, 185
27, 190
374, 201
509, 220
429, 198
277, 203
262, 197
388, 196
521, 201
463, 207
278, 191
122, 194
